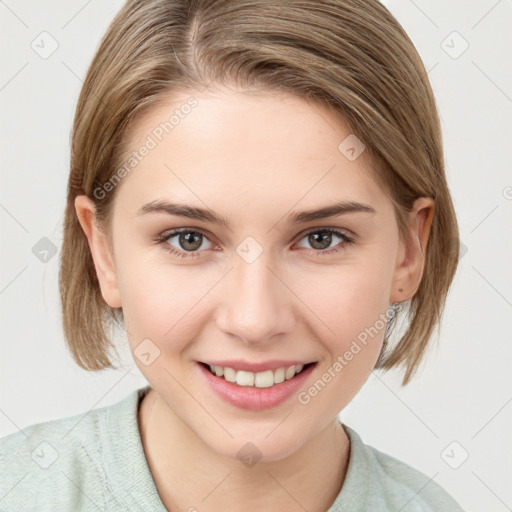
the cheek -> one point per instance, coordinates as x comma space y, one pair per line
349, 296
161, 302
351, 307
350, 304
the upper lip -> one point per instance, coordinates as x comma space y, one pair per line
247, 366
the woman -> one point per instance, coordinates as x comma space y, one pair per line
256, 192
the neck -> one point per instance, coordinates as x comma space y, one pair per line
175, 453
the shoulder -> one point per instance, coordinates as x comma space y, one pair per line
60, 462
383, 482
420, 491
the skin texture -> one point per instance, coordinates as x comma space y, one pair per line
253, 158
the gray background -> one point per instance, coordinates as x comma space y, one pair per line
453, 421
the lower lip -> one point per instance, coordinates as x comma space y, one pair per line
253, 398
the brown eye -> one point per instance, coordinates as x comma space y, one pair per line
187, 241
190, 240
321, 239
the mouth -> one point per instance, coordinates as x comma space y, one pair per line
256, 391
265, 379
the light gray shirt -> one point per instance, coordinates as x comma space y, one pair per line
96, 462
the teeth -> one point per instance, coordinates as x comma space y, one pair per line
229, 374
264, 379
290, 372
245, 378
279, 375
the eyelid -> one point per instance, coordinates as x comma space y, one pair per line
347, 232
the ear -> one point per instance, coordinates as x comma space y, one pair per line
411, 256
100, 251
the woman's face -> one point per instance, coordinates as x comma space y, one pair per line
270, 283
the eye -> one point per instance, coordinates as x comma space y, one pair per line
321, 239
188, 241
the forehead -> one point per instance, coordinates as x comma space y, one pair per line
268, 149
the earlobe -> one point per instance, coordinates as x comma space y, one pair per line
100, 251
411, 258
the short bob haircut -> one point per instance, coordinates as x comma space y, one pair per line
349, 55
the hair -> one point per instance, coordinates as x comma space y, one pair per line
349, 55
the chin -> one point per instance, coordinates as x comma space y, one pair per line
256, 445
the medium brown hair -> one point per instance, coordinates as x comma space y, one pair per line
350, 55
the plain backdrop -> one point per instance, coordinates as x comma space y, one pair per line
453, 422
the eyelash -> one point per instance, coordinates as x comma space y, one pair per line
166, 236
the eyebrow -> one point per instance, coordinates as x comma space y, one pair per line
207, 215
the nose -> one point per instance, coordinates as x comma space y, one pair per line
255, 305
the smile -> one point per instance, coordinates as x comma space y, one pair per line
256, 391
